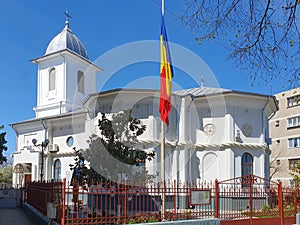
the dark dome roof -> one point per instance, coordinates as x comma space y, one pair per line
66, 39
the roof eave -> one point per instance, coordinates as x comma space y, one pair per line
116, 90
48, 118
39, 59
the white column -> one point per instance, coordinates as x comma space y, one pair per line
174, 165
48, 167
14, 183
34, 175
182, 122
229, 128
182, 164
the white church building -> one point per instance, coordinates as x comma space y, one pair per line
213, 132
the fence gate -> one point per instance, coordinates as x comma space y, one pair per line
249, 200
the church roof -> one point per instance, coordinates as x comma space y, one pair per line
63, 115
197, 92
66, 39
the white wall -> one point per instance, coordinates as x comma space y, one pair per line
65, 97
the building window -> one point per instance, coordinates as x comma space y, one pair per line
70, 141
140, 110
80, 81
293, 163
294, 142
293, 101
57, 169
247, 168
278, 142
52, 77
293, 121
277, 123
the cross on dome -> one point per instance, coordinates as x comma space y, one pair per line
67, 16
66, 39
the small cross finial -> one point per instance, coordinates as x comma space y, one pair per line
202, 81
67, 16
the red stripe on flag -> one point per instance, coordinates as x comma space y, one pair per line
165, 99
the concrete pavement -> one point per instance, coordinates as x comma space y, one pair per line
16, 216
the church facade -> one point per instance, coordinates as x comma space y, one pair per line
213, 132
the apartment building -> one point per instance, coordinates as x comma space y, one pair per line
285, 134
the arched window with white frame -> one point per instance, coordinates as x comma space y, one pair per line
52, 79
80, 82
247, 168
57, 170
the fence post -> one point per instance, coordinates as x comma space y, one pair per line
175, 201
216, 198
63, 201
125, 203
163, 200
280, 203
251, 181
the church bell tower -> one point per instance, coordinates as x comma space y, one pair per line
66, 76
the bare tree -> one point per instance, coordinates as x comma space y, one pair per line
295, 173
262, 36
275, 166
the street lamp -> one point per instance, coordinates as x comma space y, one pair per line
43, 145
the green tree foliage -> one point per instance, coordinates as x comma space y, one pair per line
3, 147
6, 175
262, 36
79, 168
113, 155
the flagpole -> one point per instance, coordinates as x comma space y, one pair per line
162, 170
162, 148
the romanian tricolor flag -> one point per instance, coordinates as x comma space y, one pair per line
166, 74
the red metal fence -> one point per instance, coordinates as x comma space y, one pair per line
250, 200
45, 196
254, 200
112, 203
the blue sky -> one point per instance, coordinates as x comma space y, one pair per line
28, 26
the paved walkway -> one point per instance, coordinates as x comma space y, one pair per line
15, 216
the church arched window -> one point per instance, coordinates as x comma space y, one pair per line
80, 81
52, 77
57, 169
247, 168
